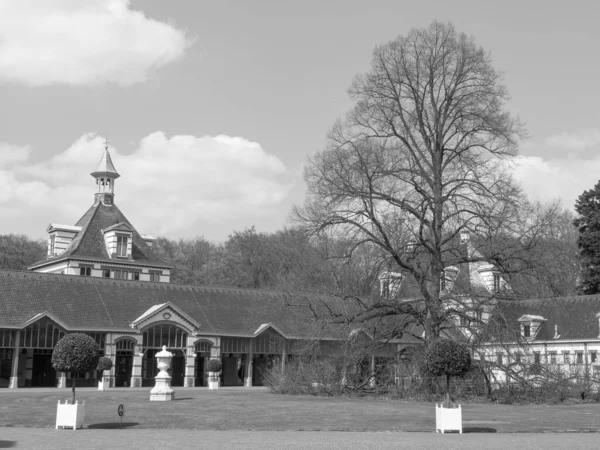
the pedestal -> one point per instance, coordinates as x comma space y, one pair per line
162, 391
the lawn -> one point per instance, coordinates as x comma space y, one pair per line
257, 409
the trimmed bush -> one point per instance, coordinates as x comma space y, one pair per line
74, 353
214, 365
449, 358
104, 363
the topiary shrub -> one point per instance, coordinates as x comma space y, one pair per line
449, 358
74, 353
104, 363
214, 365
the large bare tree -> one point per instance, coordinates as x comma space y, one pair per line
422, 157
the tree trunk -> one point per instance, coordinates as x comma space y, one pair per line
448, 391
73, 385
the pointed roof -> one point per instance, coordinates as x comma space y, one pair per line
89, 243
105, 167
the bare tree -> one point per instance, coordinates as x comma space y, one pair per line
422, 157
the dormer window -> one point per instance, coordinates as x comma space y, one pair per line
389, 284
119, 240
530, 325
448, 277
121, 245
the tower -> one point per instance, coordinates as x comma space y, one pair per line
105, 175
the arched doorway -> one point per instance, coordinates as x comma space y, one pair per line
175, 339
37, 342
124, 362
202, 352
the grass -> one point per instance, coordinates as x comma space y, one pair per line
257, 409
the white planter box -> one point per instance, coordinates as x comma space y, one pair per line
104, 384
213, 380
69, 415
448, 419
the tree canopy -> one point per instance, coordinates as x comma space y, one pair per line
588, 242
75, 352
420, 159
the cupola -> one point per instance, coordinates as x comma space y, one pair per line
105, 175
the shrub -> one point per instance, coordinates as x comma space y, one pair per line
104, 363
214, 365
304, 375
449, 358
74, 353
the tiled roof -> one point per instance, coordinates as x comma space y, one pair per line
573, 317
87, 303
89, 242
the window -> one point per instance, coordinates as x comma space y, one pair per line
499, 358
526, 331
154, 276
496, 282
464, 320
52, 242
566, 358
593, 356
120, 274
579, 359
518, 358
536, 357
385, 286
121, 245
85, 271
552, 357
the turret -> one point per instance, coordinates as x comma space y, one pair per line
105, 175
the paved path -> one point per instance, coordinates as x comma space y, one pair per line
50, 439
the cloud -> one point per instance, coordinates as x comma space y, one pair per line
179, 186
87, 42
10, 154
557, 178
574, 141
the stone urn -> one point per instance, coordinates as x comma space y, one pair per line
162, 391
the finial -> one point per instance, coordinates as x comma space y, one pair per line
106, 143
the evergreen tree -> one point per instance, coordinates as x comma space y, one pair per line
588, 242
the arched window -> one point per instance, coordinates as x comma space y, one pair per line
170, 335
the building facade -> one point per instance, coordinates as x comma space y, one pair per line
101, 277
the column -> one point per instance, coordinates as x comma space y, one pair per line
14, 373
62, 380
136, 370
249, 364
110, 351
215, 350
190, 362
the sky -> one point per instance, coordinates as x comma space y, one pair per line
211, 109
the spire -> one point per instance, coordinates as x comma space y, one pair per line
105, 175
106, 167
